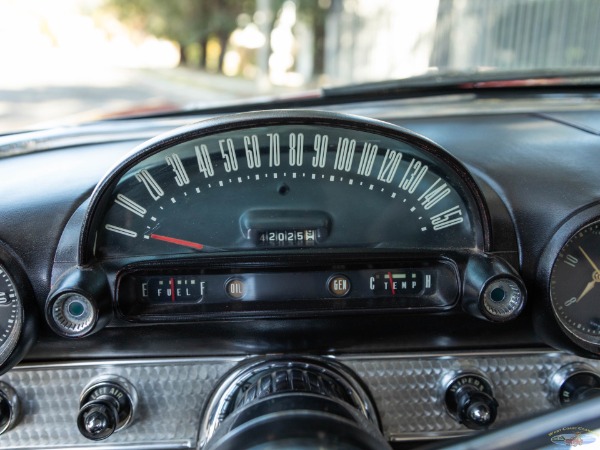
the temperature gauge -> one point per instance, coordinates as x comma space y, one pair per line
399, 283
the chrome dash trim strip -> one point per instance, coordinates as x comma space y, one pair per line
174, 392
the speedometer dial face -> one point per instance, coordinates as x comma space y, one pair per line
288, 183
575, 285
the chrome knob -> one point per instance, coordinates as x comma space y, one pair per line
107, 405
573, 383
469, 399
98, 419
10, 407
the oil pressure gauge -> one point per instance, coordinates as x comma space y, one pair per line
575, 287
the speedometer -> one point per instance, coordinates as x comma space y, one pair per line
283, 213
282, 180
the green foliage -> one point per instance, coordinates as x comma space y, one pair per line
183, 21
191, 23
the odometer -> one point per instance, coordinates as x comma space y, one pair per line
284, 180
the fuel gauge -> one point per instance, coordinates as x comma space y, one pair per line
172, 289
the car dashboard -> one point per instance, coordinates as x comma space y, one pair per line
432, 263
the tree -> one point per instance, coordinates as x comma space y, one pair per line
220, 20
314, 13
184, 21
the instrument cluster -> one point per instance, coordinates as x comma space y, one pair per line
309, 235
283, 213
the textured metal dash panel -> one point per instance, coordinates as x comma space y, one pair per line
171, 398
408, 393
172, 394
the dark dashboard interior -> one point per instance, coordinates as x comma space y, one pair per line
185, 271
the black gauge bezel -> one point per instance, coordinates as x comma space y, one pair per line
546, 322
29, 312
240, 264
101, 195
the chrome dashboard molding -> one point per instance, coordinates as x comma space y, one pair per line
447, 355
173, 393
127, 362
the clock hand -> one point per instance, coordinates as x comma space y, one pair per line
588, 288
589, 260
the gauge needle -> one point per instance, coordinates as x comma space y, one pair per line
595, 275
588, 288
176, 241
589, 260
391, 283
172, 285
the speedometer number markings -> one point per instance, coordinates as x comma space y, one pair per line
320, 147
130, 205
204, 162
448, 218
413, 176
274, 150
119, 230
296, 149
155, 191
367, 159
245, 154
181, 176
252, 148
344, 154
228, 155
433, 195
389, 166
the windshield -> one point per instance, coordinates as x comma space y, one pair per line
66, 61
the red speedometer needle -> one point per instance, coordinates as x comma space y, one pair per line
176, 241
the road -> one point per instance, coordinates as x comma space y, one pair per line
67, 93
